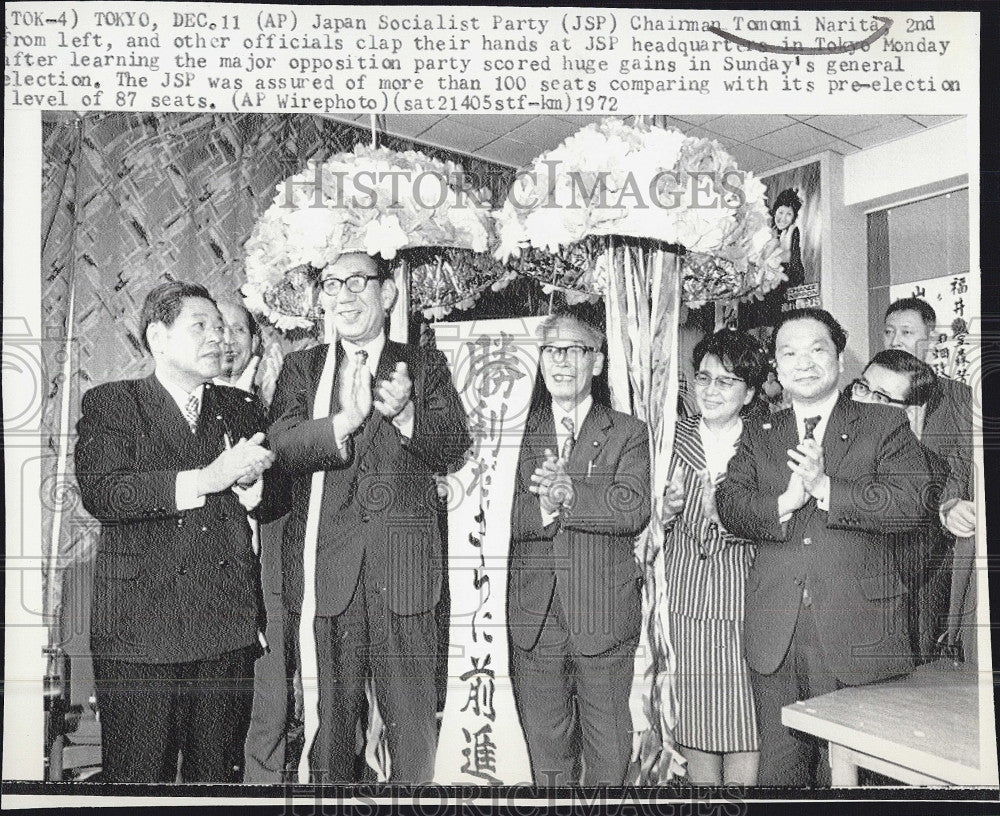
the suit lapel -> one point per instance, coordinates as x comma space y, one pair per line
590, 440
164, 418
213, 424
316, 373
392, 353
839, 432
784, 434
687, 445
539, 435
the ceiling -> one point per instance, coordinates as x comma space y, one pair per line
757, 142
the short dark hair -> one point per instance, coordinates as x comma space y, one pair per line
738, 352
915, 304
164, 303
837, 333
923, 380
787, 198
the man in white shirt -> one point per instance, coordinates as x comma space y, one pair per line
581, 497
176, 595
818, 486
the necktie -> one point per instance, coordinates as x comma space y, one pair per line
810, 424
191, 410
362, 356
567, 447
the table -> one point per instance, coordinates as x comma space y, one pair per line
921, 730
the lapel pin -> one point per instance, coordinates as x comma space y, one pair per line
218, 416
595, 443
766, 426
844, 437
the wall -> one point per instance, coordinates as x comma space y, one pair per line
926, 163
922, 164
845, 286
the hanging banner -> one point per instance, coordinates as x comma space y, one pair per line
493, 364
956, 300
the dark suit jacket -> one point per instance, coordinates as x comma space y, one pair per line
586, 555
947, 432
170, 586
843, 557
379, 504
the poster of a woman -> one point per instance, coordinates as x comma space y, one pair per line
794, 201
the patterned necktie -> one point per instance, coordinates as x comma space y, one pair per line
567, 447
191, 410
810, 424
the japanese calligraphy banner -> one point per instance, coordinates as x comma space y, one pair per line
956, 300
493, 364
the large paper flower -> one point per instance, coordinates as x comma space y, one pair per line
641, 182
372, 200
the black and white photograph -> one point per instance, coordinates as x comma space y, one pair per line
542, 451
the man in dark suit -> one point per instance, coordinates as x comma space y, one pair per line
910, 324
573, 603
895, 377
818, 486
170, 465
378, 547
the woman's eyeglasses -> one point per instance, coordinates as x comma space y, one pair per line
703, 380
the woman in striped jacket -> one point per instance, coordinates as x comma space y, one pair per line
706, 568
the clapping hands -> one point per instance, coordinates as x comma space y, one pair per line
673, 501
806, 462
394, 394
242, 464
355, 398
552, 484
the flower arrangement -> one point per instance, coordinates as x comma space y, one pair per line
371, 200
642, 182
452, 278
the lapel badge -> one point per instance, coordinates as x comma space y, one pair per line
844, 437
766, 426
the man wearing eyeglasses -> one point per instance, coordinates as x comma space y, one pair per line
581, 497
947, 424
394, 420
817, 487
895, 377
